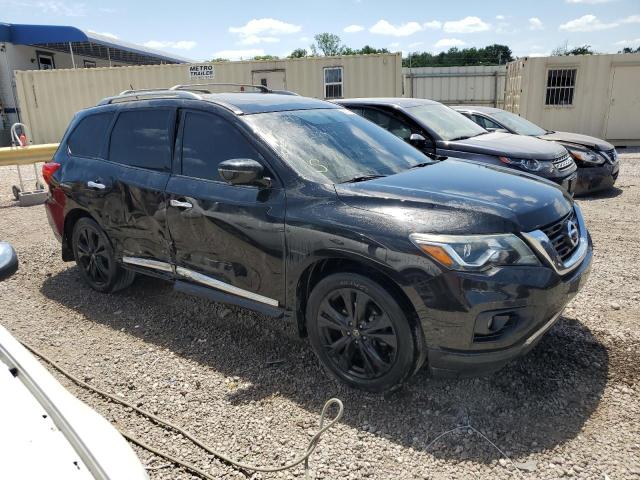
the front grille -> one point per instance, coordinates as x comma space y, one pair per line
563, 162
611, 155
558, 233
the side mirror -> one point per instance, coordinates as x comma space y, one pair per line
493, 129
8, 261
243, 171
417, 140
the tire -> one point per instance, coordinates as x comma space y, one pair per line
95, 258
16, 192
376, 353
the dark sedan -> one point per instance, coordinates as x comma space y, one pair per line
597, 160
440, 131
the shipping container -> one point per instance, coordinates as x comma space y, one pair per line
49, 99
596, 95
464, 85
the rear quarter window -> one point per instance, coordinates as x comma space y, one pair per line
142, 138
88, 137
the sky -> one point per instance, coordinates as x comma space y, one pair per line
202, 30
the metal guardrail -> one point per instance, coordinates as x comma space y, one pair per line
27, 155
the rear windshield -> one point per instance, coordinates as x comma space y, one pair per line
334, 145
446, 122
518, 124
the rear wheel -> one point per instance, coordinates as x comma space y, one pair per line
94, 256
360, 333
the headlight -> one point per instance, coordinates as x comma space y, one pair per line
586, 156
532, 165
475, 252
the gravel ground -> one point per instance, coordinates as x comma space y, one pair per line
247, 386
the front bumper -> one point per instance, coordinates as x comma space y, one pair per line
536, 304
596, 179
476, 322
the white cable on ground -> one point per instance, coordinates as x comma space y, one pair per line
313, 443
469, 427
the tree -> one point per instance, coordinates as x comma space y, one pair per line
629, 50
501, 53
366, 50
266, 57
583, 50
495, 54
327, 43
564, 50
298, 53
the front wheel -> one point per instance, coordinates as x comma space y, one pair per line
95, 258
360, 333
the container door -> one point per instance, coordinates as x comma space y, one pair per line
273, 79
624, 104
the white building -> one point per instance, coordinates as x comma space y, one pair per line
47, 47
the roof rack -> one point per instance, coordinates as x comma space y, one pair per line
196, 87
132, 95
185, 91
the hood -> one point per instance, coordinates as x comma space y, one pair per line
456, 196
578, 139
508, 145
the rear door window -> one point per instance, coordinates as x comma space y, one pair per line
208, 140
89, 136
143, 138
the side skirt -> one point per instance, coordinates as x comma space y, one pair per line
222, 297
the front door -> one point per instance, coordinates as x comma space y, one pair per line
227, 237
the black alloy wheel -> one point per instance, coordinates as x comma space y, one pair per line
95, 258
360, 333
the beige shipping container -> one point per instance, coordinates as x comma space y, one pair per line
49, 99
596, 95
463, 85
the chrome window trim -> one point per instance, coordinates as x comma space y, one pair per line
541, 244
148, 263
212, 282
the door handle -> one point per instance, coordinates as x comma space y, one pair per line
179, 204
96, 185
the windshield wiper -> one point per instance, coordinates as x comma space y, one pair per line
463, 137
362, 178
420, 165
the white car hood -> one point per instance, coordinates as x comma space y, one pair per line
48, 433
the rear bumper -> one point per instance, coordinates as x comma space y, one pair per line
595, 179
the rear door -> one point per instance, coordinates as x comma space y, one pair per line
227, 237
139, 160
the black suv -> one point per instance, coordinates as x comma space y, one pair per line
438, 130
298, 208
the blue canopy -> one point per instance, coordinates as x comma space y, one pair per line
60, 35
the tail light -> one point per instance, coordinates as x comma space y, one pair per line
48, 169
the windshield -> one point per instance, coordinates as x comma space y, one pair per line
334, 145
518, 124
446, 122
